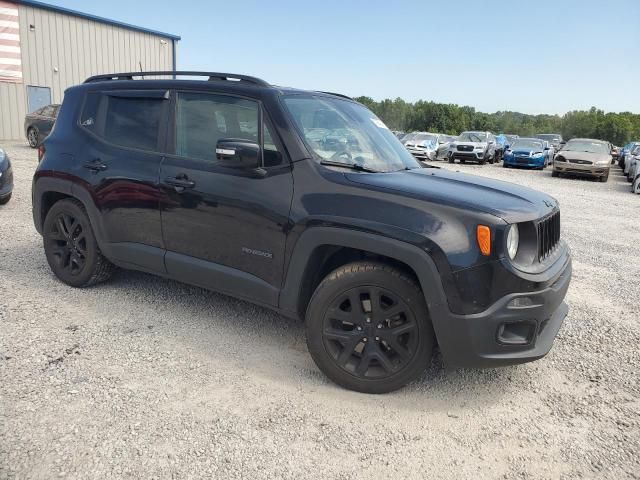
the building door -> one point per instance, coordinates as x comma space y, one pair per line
37, 97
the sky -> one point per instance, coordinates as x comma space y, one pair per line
538, 56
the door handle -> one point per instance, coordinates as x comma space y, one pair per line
180, 182
96, 166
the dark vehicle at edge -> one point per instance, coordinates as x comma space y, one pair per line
6, 177
382, 258
38, 124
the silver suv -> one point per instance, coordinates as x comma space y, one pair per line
473, 146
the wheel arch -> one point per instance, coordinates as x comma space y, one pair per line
320, 250
48, 190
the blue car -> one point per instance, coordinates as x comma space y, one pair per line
624, 151
528, 152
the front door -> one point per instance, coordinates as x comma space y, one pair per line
225, 228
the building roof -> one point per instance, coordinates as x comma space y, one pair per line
75, 13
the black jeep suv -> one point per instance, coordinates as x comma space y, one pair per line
306, 203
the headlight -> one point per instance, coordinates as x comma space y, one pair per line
536, 154
513, 240
602, 162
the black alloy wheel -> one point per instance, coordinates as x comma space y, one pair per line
368, 327
71, 247
370, 332
67, 242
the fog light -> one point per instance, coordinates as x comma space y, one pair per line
520, 333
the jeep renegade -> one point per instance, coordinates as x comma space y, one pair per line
303, 202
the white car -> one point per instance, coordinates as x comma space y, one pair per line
423, 146
473, 146
631, 163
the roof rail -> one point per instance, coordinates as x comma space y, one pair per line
337, 95
212, 76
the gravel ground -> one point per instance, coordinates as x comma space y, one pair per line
143, 377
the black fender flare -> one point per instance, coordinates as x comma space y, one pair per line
46, 184
415, 257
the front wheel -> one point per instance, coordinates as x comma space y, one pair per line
554, 173
636, 185
368, 328
4, 200
604, 178
71, 247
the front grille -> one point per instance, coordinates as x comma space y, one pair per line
548, 235
465, 148
523, 161
581, 162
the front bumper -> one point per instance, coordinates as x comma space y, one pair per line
6, 183
530, 162
425, 154
471, 156
507, 333
581, 170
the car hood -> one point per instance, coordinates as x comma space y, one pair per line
512, 203
575, 155
525, 150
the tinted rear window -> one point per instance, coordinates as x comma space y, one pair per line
123, 121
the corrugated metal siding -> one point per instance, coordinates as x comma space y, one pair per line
78, 48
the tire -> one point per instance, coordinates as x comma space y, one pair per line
482, 162
5, 200
71, 247
604, 178
555, 173
33, 137
635, 188
462, 160
504, 165
358, 348
451, 159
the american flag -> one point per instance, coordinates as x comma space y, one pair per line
10, 63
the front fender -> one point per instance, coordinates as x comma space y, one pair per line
430, 277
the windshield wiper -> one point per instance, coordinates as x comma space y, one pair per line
352, 166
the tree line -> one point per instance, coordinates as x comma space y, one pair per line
617, 128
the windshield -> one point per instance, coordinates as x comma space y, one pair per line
343, 131
550, 137
424, 139
586, 146
527, 145
473, 137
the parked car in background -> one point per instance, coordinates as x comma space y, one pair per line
528, 152
424, 146
6, 177
502, 144
632, 162
38, 125
584, 157
473, 146
444, 144
625, 151
554, 139
408, 137
615, 153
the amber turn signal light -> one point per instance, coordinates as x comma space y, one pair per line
483, 234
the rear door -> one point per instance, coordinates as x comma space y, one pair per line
226, 228
119, 163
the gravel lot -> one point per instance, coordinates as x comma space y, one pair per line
143, 377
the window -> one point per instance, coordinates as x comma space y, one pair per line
127, 121
204, 119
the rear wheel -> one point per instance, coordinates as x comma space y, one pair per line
33, 137
368, 328
71, 248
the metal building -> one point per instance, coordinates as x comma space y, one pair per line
44, 49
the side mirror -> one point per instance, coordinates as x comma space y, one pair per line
238, 153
